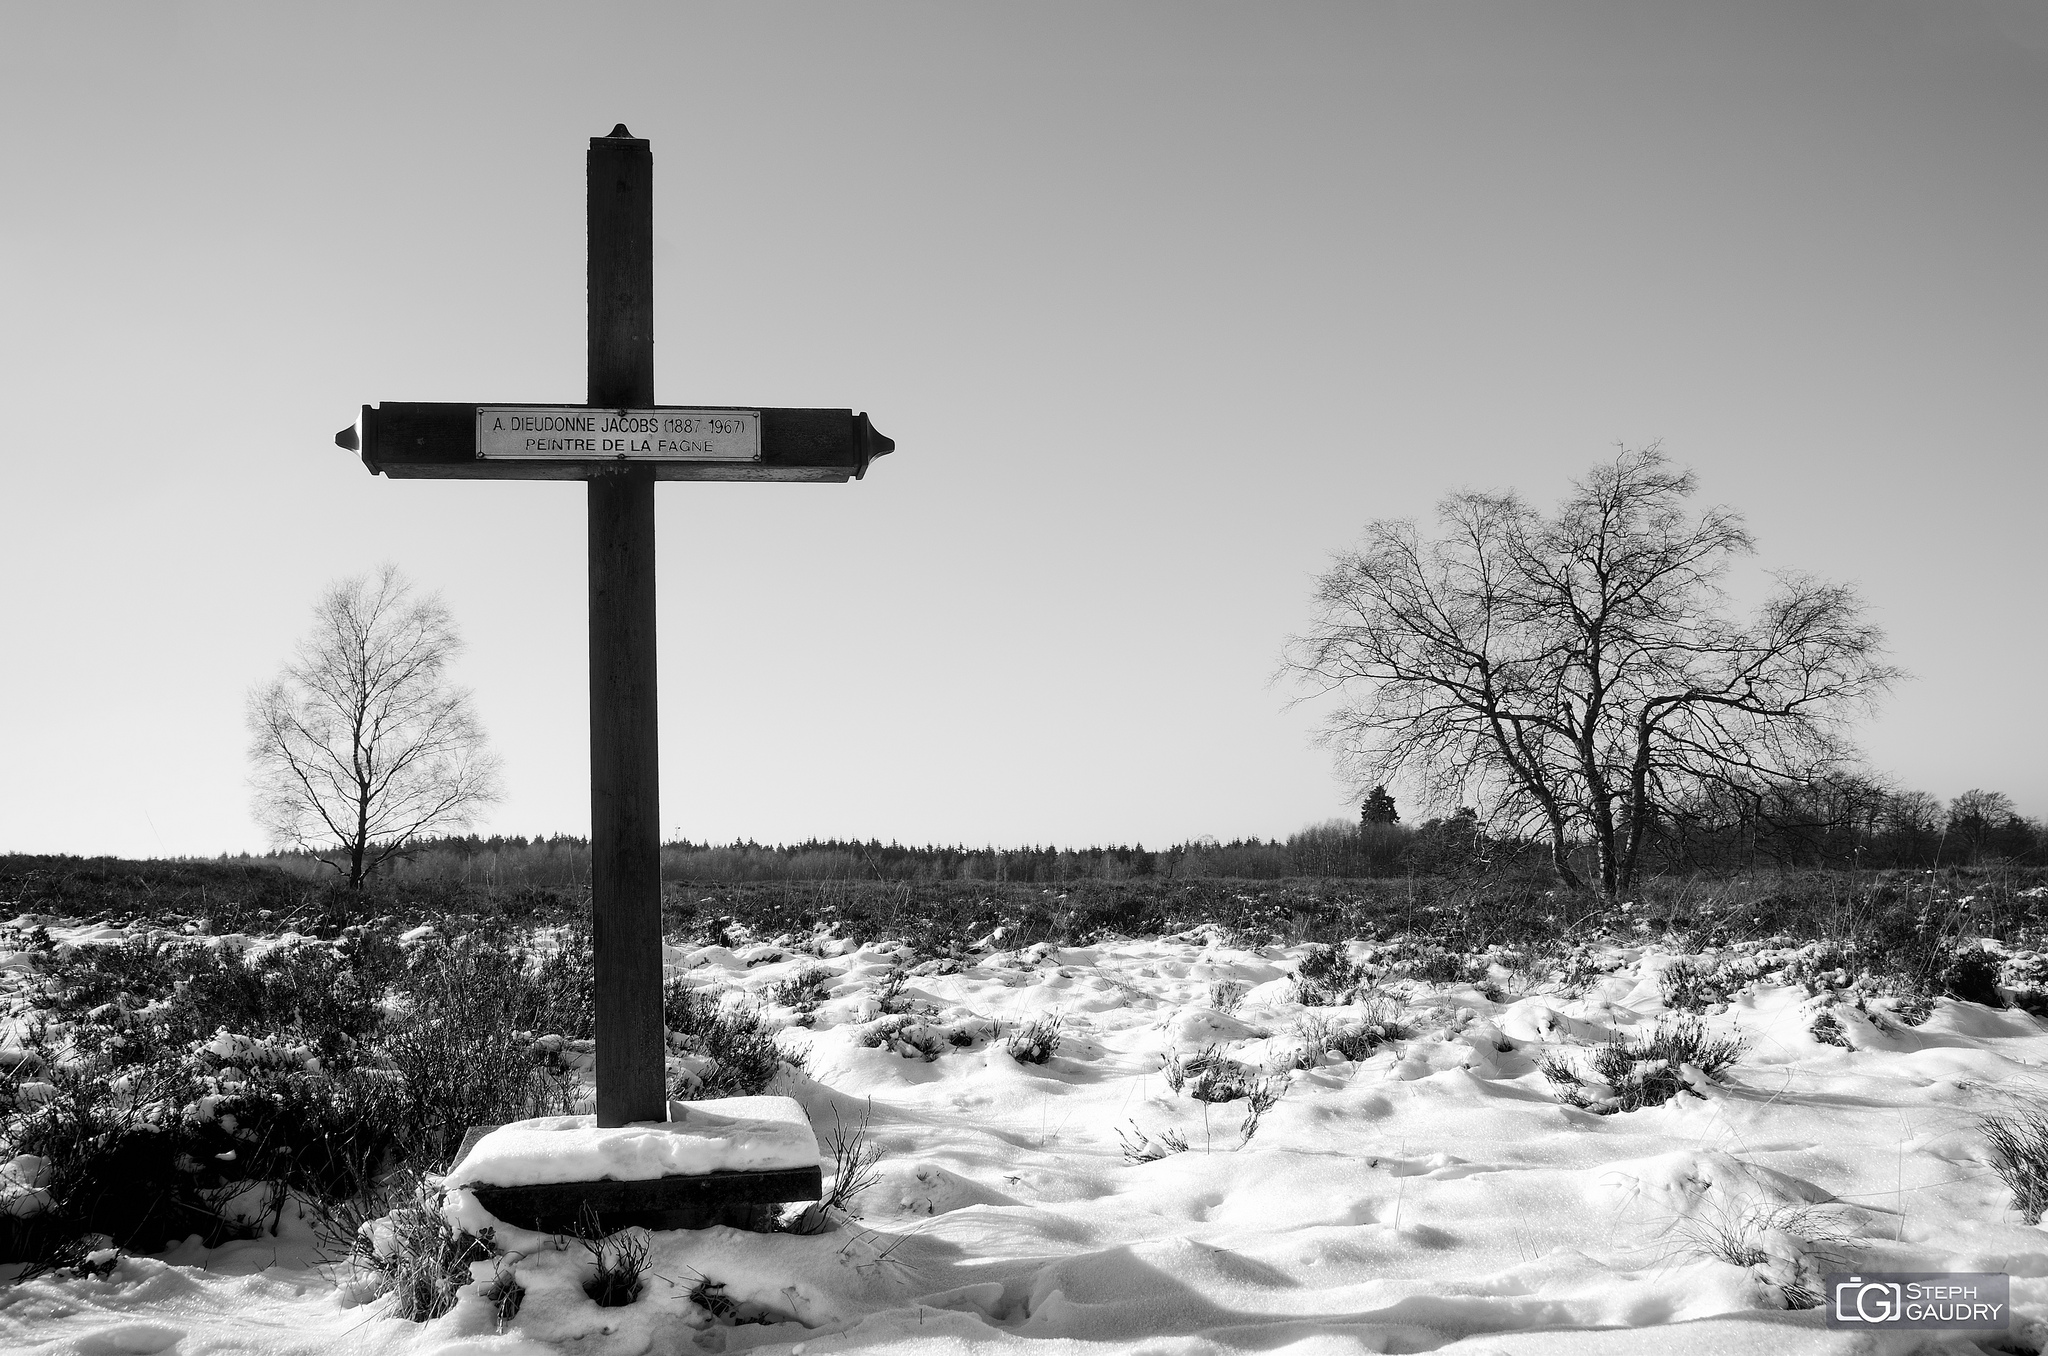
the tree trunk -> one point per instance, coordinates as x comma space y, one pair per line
1600, 813
1560, 857
361, 841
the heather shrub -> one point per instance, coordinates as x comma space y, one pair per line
1827, 1028
133, 972
326, 998
418, 1258
464, 1058
1035, 1042
742, 1051
1972, 976
854, 1158
1326, 976
1630, 1071
618, 1261
147, 1153
1208, 1075
1321, 1038
1685, 987
804, 990
1225, 995
1139, 1147
559, 996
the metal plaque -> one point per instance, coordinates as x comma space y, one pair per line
579, 433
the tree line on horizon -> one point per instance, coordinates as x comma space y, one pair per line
1843, 824
1575, 681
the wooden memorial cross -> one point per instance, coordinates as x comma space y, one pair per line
619, 443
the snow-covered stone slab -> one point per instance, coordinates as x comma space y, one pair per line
722, 1135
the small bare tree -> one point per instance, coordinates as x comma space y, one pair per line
1577, 676
360, 744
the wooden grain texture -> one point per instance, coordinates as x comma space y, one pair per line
625, 779
692, 1202
436, 440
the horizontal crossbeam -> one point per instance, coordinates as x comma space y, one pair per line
437, 440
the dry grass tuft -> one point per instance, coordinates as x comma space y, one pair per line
2019, 1155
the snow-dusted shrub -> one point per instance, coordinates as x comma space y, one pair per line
147, 1152
463, 1061
743, 1051
2019, 1154
35, 939
327, 998
1828, 1030
854, 1159
908, 1037
1326, 976
90, 1257
75, 979
504, 1294
559, 993
1972, 976
1629, 1072
418, 1258
1578, 969
1146, 1148
1321, 1038
1437, 965
320, 1135
1788, 1248
1226, 994
465, 1035
710, 1296
1035, 1042
150, 992
1685, 987
804, 990
1912, 1008
618, 1261
1263, 1097
889, 997
1208, 1075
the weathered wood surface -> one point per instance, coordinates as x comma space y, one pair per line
625, 778
619, 261
692, 1202
436, 440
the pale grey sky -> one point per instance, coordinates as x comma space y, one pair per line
1161, 303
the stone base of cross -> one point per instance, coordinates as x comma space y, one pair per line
727, 1161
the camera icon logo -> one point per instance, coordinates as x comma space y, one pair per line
1861, 1301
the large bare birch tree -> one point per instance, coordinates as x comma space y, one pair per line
1578, 676
361, 744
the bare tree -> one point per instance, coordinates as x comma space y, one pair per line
1987, 823
1577, 676
360, 744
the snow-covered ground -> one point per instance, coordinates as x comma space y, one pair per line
1432, 1196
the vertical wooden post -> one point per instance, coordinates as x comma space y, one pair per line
625, 818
